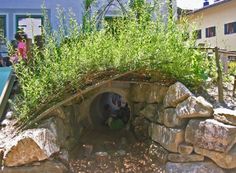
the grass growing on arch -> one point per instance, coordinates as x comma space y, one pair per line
137, 44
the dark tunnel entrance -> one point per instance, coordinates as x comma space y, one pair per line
110, 110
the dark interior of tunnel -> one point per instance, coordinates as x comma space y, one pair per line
109, 110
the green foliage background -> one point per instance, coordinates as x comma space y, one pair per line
72, 53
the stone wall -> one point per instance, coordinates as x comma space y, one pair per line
185, 130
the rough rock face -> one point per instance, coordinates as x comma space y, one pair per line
148, 93
194, 108
176, 94
44, 167
225, 115
157, 152
172, 120
211, 134
185, 157
156, 94
185, 149
169, 138
195, 167
30, 146
224, 160
141, 128
149, 112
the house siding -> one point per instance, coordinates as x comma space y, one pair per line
11, 8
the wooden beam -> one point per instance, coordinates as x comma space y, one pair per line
219, 76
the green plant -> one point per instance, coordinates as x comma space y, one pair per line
68, 62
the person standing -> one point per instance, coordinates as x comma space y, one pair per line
21, 38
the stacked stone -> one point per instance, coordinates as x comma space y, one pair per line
191, 131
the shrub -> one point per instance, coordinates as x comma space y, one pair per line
67, 60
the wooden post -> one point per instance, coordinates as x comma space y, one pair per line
234, 86
219, 76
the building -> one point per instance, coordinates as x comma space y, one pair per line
215, 26
27, 14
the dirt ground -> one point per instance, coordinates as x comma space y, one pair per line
112, 151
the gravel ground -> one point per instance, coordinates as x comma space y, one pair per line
113, 151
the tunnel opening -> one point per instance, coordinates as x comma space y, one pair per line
110, 110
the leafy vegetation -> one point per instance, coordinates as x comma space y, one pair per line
67, 59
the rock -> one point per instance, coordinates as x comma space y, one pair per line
225, 115
185, 149
63, 156
172, 120
149, 93
194, 108
1, 156
139, 92
157, 152
9, 115
194, 167
149, 112
185, 157
169, 138
43, 167
176, 94
87, 150
141, 126
137, 107
30, 146
160, 115
156, 93
210, 134
121, 152
224, 160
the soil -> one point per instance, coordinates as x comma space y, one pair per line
112, 151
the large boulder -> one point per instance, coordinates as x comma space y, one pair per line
30, 146
176, 94
210, 134
225, 115
169, 138
224, 160
172, 120
195, 167
194, 108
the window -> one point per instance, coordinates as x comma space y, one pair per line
210, 32
230, 28
31, 25
198, 34
3, 48
3, 25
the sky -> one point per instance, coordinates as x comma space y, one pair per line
191, 4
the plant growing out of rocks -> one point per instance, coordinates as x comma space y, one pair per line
73, 59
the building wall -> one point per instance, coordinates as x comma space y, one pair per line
216, 16
15, 7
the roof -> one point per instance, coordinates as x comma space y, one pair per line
210, 6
